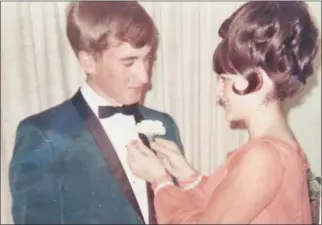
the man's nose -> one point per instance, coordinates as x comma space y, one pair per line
142, 73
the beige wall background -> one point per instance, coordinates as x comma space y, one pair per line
39, 70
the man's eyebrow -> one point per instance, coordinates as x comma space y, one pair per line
129, 58
125, 58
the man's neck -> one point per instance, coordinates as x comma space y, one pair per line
109, 100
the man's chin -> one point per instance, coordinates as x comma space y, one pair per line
130, 101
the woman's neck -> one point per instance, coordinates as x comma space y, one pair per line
268, 120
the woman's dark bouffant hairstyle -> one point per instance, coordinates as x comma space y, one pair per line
278, 37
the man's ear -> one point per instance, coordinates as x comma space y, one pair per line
87, 61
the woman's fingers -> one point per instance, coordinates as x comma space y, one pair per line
166, 151
133, 151
136, 147
162, 150
170, 159
166, 164
144, 149
168, 144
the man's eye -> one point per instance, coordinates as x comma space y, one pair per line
129, 62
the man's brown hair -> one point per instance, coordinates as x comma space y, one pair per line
93, 26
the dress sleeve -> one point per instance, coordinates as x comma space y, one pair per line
252, 181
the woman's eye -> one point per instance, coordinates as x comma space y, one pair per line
224, 80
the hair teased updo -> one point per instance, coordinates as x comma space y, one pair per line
279, 37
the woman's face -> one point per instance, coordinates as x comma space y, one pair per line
238, 107
228, 99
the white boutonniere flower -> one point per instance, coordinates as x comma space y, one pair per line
150, 128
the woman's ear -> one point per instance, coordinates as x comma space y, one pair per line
88, 62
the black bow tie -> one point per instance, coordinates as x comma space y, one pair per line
107, 111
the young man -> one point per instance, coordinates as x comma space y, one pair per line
69, 163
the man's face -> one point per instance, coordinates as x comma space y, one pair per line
120, 74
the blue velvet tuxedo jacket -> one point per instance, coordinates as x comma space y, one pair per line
65, 170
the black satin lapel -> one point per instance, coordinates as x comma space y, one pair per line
152, 215
107, 149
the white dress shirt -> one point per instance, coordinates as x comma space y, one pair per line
121, 130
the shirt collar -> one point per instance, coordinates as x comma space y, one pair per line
92, 98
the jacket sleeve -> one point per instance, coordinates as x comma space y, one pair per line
34, 183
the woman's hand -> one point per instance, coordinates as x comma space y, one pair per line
172, 159
143, 162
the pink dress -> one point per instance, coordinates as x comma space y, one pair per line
253, 186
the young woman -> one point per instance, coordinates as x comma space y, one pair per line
265, 56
